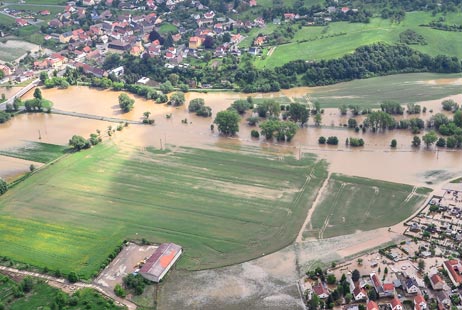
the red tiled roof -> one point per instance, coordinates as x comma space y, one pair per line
419, 299
376, 280
396, 302
372, 305
388, 286
435, 279
450, 264
319, 289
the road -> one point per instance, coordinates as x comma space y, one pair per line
63, 283
20, 93
96, 117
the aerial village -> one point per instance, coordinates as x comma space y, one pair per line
86, 31
420, 272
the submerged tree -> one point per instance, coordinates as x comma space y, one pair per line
227, 122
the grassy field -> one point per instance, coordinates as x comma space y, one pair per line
402, 88
6, 20
12, 49
166, 28
349, 204
46, 2
43, 296
37, 8
222, 207
340, 38
36, 151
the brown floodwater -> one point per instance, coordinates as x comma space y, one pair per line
11, 168
9, 92
376, 160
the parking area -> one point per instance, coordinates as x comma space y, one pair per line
128, 261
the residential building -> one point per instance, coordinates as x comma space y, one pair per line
195, 42
372, 305
437, 282
454, 268
443, 299
411, 286
359, 293
377, 284
419, 302
320, 289
396, 304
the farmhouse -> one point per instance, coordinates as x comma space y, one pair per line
359, 293
321, 290
453, 267
161, 261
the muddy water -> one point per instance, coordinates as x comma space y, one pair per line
376, 160
43, 127
10, 168
9, 92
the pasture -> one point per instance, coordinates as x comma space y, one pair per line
402, 88
222, 207
35, 151
350, 204
340, 38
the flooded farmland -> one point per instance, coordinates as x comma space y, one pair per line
375, 160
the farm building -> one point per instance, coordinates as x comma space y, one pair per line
161, 261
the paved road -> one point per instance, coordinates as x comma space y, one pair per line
64, 282
20, 93
99, 118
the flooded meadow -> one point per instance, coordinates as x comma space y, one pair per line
375, 160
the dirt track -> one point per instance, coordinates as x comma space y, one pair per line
64, 285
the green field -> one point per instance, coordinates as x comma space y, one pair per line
166, 28
36, 151
6, 20
402, 88
43, 296
340, 38
45, 2
349, 204
37, 8
222, 207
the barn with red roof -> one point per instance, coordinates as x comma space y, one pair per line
161, 261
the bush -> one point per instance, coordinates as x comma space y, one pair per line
322, 140
119, 291
255, 134
240, 106
72, 277
332, 140
253, 120
393, 143
356, 142
204, 111
4, 117
196, 104
137, 283
3, 186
